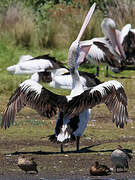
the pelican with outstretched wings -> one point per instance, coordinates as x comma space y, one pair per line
74, 110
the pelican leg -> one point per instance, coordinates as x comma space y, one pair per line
77, 143
97, 73
61, 148
36, 171
106, 75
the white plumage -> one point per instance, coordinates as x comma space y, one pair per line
29, 85
35, 66
127, 40
64, 81
16, 68
29, 65
124, 32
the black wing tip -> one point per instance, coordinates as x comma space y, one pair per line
121, 125
4, 126
5, 123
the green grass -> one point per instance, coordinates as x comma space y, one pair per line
36, 130
10, 53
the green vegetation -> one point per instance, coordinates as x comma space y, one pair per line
33, 24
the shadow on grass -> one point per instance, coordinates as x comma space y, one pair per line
120, 77
82, 150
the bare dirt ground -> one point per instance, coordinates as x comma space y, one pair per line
55, 165
71, 164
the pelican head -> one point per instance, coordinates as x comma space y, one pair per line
107, 25
109, 29
61, 71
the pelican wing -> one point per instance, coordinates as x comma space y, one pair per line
101, 53
36, 65
39, 64
56, 64
64, 81
124, 32
111, 93
24, 58
129, 48
34, 95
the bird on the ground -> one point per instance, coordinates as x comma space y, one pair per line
74, 110
43, 68
120, 158
61, 78
48, 76
15, 68
27, 164
36, 64
64, 81
99, 170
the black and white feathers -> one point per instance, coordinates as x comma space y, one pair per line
46, 103
107, 49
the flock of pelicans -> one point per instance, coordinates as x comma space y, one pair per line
86, 90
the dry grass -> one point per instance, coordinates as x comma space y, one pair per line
58, 31
66, 22
123, 12
19, 21
62, 24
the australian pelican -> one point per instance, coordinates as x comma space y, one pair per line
107, 49
74, 110
61, 78
64, 81
48, 75
14, 69
30, 65
43, 68
127, 39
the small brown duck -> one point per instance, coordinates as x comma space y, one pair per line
99, 169
27, 164
120, 158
